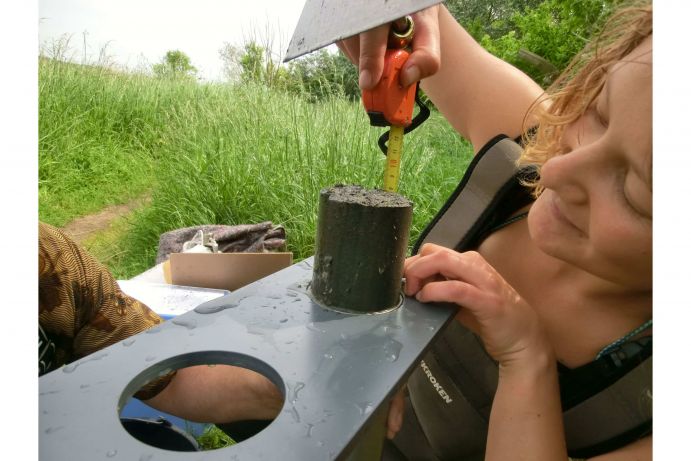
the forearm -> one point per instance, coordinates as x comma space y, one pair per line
526, 419
219, 394
478, 93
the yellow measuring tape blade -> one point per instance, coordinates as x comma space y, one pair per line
393, 159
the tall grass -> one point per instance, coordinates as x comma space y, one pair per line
217, 153
97, 131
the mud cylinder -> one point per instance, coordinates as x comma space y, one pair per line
362, 240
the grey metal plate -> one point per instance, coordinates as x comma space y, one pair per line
324, 22
335, 370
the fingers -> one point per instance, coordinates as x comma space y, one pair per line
367, 51
372, 50
425, 59
452, 291
350, 47
434, 260
394, 421
410, 260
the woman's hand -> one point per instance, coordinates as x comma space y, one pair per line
488, 305
367, 49
526, 419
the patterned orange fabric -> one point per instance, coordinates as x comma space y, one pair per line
81, 308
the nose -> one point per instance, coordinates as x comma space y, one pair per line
570, 172
565, 176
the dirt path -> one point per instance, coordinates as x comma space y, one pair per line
85, 227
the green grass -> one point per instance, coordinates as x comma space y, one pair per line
214, 438
97, 135
215, 153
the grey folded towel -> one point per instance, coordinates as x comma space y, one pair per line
247, 238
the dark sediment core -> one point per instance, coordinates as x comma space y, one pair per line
362, 240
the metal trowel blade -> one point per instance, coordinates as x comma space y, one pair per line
324, 22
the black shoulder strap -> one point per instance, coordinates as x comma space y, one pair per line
480, 191
619, 408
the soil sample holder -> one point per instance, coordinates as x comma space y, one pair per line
337, 371
362, 239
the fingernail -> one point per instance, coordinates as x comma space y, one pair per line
365, 79
410, 75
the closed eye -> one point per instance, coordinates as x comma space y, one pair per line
601, 118
635, 194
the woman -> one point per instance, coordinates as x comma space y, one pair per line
556, 291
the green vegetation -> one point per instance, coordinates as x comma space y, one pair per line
97, 137
539, 37
214, 438
552, 30
246, 153
215, 153
175, 64
261, 147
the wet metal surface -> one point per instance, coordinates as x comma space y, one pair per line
335, 370
323, 22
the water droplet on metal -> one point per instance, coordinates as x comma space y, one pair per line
310, 426
150, 358
392, 349
298, 387
294, 413
111, 453
212, 308
128, 342
365, 408
190, 324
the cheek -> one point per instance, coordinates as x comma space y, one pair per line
622, 247
548, 234
539, 224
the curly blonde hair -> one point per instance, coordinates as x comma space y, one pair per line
581, 82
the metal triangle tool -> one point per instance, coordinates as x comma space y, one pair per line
324, 22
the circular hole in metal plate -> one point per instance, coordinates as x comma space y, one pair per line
170, 431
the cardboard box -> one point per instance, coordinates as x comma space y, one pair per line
226, 271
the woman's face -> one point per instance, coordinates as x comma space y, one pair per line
596, 209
